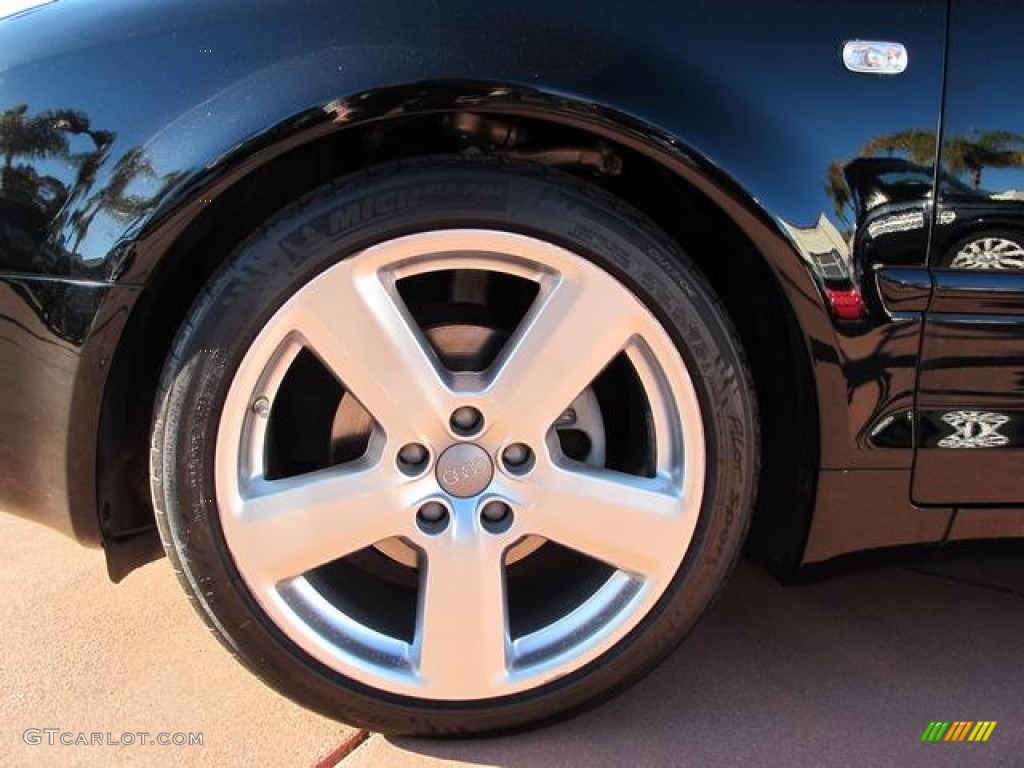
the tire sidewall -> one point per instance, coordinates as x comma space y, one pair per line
389, 202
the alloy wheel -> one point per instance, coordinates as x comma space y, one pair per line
462, 496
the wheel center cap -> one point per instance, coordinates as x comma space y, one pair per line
464, 470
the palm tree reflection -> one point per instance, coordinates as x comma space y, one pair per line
54, 185
963, 157
58, 174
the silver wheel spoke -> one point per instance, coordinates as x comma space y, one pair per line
291, 526
576, 327
461, 632
622, 520
356, 324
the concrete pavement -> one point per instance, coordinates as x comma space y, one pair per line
83, 655
843, 673
847, 672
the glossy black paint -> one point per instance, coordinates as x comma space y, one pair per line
142, 119
903, 289
52, 336
971, 386
885, 516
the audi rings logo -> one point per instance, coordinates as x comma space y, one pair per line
464, 470
452, 477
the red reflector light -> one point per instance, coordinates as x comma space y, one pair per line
847, 305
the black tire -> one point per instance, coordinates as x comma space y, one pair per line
439, 193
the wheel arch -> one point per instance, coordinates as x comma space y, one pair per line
765, 285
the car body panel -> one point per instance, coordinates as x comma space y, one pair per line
143, 114
53, 337
971, 392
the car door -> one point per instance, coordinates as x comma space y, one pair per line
970, 400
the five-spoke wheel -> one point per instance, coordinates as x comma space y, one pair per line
459, 455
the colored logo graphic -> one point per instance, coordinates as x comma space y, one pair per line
959, 730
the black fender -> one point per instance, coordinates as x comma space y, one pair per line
173, 105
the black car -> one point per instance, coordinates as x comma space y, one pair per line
454, 350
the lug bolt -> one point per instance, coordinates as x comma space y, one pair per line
433, 511
432, 517
517, 458
467, 420
496, 516
567, 418
412, 457
495, 511
261, 407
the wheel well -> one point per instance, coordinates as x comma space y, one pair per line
738, 273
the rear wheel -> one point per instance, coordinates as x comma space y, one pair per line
454, 447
